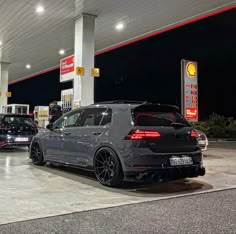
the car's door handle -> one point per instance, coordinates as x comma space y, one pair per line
67, 133
97, 133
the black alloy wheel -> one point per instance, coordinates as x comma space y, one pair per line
37, 154
108, 168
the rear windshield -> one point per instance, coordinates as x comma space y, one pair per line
17, 120
159, 119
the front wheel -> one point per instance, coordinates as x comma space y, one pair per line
37, 154
107, 167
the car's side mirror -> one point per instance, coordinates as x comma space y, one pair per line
49, 126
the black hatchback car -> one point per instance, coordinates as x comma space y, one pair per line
122, 141
16, 130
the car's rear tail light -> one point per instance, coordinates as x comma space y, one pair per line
194, 134
142, 135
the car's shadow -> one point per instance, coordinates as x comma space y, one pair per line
141, 189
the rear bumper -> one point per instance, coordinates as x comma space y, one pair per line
8, 141
143, 164
165, 174
141, 159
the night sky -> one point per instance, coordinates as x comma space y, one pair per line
150, 69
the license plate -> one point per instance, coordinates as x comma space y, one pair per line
179, 161
21, 139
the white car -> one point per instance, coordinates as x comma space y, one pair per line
202, 140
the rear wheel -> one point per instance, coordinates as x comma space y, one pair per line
37, 154
107, 167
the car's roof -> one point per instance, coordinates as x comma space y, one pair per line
134, 104
118, 104
138, 105
108, 105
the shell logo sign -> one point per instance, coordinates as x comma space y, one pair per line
191, 69
189, 89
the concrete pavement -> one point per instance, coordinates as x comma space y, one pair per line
204, 213
31, 192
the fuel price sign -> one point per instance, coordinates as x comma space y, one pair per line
189, 92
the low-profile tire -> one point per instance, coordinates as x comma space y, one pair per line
107, 167
36, 154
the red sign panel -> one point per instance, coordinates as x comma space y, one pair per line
191, 113
67, 65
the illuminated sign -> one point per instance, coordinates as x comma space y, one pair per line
95, 72
189, 91
67, 69
79, 71
191, 69
66, 99
43, 114
191, 113
8, 94
76, 105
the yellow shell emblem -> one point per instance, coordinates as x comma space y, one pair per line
191, 69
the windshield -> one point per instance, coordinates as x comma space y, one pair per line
159, 119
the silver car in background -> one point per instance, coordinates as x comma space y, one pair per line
202, 140
122, 140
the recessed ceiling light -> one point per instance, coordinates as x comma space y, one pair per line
119, 26
40, 9
28, 66
61, 52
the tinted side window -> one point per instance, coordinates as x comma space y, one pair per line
69, 120
93, 117
107, 117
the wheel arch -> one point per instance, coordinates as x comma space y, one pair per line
111, 148
36, 140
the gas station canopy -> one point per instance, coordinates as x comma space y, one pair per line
33, 35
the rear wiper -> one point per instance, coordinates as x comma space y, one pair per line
178, 125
